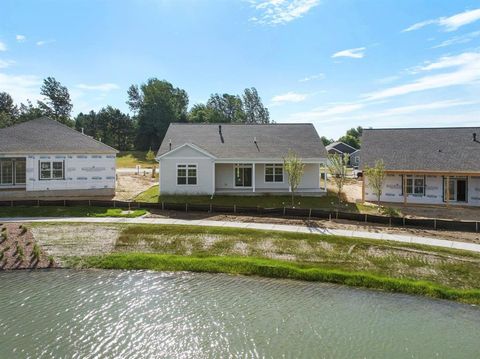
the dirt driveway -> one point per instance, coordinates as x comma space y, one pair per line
129, 185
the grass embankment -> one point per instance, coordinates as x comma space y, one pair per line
398, 267
328, 202
59, 211
129, 159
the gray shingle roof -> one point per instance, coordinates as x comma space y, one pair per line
341, 146
423, 149
237, 141
43, 135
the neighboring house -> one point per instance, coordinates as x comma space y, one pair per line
355, 158
238, 159
43, 158
425, 165
341, 149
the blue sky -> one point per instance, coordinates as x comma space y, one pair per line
335, 63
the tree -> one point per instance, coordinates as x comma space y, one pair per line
352, 137
56, 104
337, 166
226, 108
156, 104
376, 178
200, 113
294, 167
255, 111
326, 141
28, 112
150, 156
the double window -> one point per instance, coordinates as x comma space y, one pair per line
186, 174
52, 170
415, 185
12, 171
274, 173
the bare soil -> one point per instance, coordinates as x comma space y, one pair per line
130, 185
17, 245
333, 224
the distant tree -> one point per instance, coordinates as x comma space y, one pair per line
337, 166
255, 111
294, 167
88, 124
29, 112
150, 156
8, 110
56, 103
226, 108
200, 113
376, 179
156, 104
352, 137
326, 141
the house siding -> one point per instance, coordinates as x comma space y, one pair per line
392, 191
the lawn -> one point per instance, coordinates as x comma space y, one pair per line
129, 159
400, 267
329, 202
59, 211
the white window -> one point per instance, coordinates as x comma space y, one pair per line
186, 174
274, 172
415, 185
51, 170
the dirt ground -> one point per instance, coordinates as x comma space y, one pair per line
353, 192
334, 224
129, 185
17, 245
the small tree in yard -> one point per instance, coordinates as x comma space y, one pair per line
150, 156
293, 166
376, 178
337, 166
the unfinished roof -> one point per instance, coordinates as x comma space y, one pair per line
227, 141
423, 149
43, 135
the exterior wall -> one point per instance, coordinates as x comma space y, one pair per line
224, 175
168, 172
392, 191
311, 176
85, 176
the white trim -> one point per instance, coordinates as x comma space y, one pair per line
333, 144
267, 160
191, 145
186, 174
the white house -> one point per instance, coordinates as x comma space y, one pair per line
43, 158
425, 165
239, 159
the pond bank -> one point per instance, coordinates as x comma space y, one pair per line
391, 266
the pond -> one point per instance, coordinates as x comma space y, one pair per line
138, 314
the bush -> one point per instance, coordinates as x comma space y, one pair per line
23, 229
20, 253
36, 251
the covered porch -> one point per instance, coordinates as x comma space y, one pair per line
266, 178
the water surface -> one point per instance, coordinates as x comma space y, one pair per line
120, 314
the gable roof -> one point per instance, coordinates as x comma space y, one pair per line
341, 147
423, 149
237, 140
44, 135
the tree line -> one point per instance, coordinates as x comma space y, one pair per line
154, 105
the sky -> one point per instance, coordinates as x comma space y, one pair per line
335, 63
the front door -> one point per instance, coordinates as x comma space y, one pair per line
461, 190
243, 175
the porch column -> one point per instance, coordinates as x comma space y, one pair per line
325, 170
253, 177
213, 178
404, 186
447, 200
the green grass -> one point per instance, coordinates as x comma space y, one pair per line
403, 267
325, 202
129, 159
277, 269
58, 211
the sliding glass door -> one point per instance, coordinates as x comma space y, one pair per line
243, 175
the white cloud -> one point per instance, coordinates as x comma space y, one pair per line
463, 39
326, 114
44, 42
450, 23
105, 87
466, 71
21, 87
20, 38
3, 47
356, 53
289, 97
278, 12
312, 77
5, 63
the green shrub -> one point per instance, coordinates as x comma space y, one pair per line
51, 261
36, 251
23, 229
20, 253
